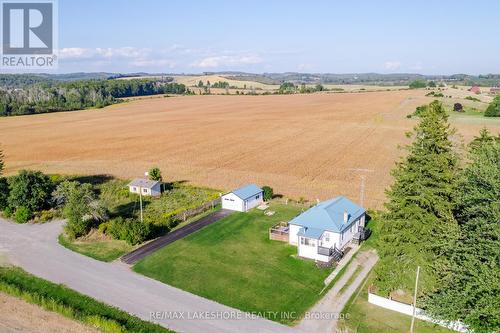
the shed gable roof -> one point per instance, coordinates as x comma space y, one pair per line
247, 191
144, 183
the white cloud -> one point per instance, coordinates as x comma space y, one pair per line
392, 65
227, 61
153, 63
159, 59
75, 53
122, 57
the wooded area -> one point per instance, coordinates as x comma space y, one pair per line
21, 95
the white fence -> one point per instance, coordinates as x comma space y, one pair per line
408, 310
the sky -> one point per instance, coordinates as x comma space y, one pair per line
170, 36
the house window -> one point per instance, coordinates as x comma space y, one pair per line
257, 197
134, 188
327, 238
144, 190
306, 241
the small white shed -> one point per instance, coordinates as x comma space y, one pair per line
243, 198
145, 187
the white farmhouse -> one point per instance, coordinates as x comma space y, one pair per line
145, 187
243, 199
323, 231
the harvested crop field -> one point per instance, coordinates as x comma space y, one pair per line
311, 146
16, 315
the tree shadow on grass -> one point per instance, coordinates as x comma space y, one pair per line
93, 179
167, 186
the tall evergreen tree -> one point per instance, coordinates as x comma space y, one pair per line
419, 224
471, 287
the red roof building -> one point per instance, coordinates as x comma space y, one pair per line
475, 90
495, 90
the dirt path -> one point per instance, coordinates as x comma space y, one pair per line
17, 316
335, 300
136, 255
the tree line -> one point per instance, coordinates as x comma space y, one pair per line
49, 96
443, 214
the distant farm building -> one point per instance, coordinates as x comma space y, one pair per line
475, 90
495, 90
145, 187
243, 198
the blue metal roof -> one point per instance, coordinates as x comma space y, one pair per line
329, 215
247, 191
310, 232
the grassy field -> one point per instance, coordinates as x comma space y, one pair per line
71, 304
119, 202
233, 262
313, 145
363, 317
104, 250
177, 197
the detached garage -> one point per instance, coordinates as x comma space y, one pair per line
243, 199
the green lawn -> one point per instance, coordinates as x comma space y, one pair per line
103, 250
363, 317
233, 262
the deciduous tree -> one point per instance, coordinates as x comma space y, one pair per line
82, 209
30, 189
155, 174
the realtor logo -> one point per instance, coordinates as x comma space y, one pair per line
28, 34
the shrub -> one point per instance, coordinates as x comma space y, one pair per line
268, 192
435, 94
418, 84
474, 99
47, 215
7, 212
129, 230
30, 189
104, 227
22, 215
493, 109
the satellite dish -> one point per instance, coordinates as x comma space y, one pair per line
146, 173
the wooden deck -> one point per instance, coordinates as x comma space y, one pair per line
279, 232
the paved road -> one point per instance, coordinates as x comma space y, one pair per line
143, 251
334, 301
34, 247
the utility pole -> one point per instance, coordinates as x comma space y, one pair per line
414, 301
363, 173
362, 191
140, 196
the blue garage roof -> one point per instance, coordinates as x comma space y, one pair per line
247, 191
329, 215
